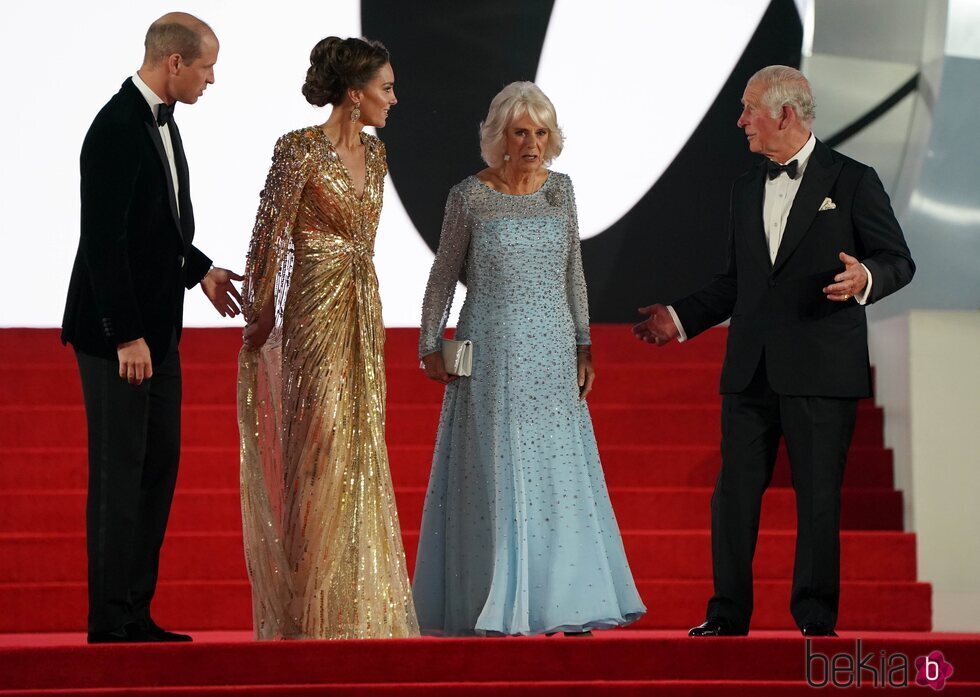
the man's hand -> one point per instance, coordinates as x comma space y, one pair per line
659, 328
435, 368
586, 374
135, 364
850, 282
218, 286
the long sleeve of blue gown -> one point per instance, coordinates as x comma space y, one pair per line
578, 296
454, 242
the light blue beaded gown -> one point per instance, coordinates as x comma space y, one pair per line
518, 534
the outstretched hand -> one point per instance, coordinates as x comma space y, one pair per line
658, 328
849, 282
218, 286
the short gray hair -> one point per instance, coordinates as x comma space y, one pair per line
787, 86
512, 102
176, 32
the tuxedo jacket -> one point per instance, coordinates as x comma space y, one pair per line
812, 346
135, 255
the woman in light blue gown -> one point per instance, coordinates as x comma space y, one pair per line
518, 535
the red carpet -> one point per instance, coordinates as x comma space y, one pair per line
614, 663
660, 491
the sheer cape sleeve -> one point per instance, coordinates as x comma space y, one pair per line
578, 295
454, 243
267, 272
269, 259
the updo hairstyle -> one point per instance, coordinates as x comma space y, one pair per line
337, 64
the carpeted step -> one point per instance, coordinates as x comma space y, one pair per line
655, 508
57, 384
611, 343
587, 688
672, 604
209, 425
45, 384
370, 661
215, 383
667, 554
624, 465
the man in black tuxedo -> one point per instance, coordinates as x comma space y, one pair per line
797, 355
124, 314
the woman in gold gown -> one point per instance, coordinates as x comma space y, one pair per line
322, 542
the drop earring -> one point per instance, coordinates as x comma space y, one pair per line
355, 113
506, 158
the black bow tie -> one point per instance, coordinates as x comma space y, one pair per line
774, 169
165, 112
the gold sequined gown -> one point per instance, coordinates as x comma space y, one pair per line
322, 542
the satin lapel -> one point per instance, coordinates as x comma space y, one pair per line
751, 218
183, 174
154, 133
818, 179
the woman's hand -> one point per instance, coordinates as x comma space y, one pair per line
586, 375
256, 333
435, 368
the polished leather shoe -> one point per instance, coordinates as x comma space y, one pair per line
134, 632
817, 629
160, 634
715, 626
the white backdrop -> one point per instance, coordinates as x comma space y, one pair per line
66, 59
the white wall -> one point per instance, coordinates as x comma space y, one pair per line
928, 381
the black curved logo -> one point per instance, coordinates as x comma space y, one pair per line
451, 58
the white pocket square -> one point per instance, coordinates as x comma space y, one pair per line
827, 205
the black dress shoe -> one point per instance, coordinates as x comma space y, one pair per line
817, 629
134, 632
715, 626
160, 634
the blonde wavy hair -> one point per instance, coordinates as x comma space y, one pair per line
512, 102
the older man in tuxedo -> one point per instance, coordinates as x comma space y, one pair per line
813, 239
124, 314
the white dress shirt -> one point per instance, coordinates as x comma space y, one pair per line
777, 203
779, 196
154, 101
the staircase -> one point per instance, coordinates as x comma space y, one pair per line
656, 414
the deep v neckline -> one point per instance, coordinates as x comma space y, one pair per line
346, 170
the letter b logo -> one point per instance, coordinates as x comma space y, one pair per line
933, 670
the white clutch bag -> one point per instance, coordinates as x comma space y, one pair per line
458, 357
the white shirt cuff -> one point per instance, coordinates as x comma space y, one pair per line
862, 299
681, 336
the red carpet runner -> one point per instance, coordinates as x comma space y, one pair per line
656, 413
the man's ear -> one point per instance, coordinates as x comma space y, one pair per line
173, 63
787, 117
